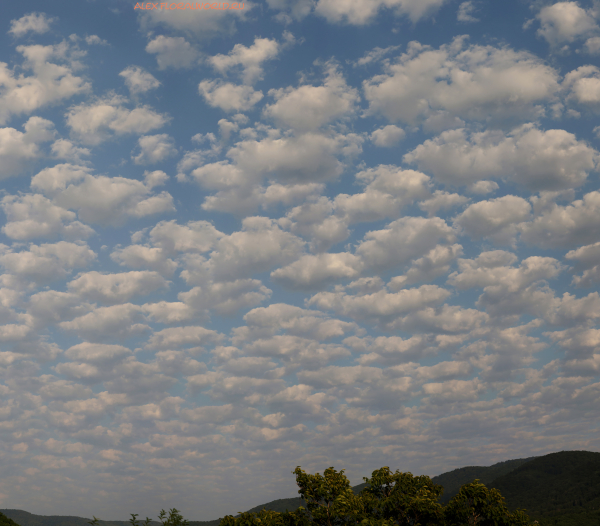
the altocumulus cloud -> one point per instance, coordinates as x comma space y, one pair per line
233, 244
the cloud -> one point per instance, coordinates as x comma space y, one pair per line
402, 240
465, 12
496, 219
111, 289
139, 256
118, 321
33, 22
310, 157
138, 80
226, 298
195, 236
99, 121
587, 258
380, 307
100, 199
172, 52
18, 150
310, 107
32, 216
155, 148
50, 83
566, 226
565, 22
66, 150
257, 247
249, 59
227, 96
310, 272
48, 261
475, 83
583, 84
180, 336
198, 24
387, 136
535, 159
361, 13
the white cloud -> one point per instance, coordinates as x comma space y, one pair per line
402, 240
201, 24
50, 82
97, 122
101, 199
180, 336
442, 201
19, 150
382, 306
387, 136
249, 59
432, 265
310, 272
196, 236
139, 256
310, 107
257, 247
565, 22
35, 22
496, 219
535, 159
479, 82
465, 12
583, 84
363, 12
66, 150
138, 80
587, 258
172, 52
227, 96
33, 216
95, 40
47, 262
295, 159
226, 298
118, 321
155, 148
111, 289
565, 226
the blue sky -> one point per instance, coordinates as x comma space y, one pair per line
305, 232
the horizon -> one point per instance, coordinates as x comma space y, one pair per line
292, 233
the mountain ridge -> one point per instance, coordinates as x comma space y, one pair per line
520, 481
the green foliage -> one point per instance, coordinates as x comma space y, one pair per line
5, 521
453, 480
475, 504
174, 519
400, 499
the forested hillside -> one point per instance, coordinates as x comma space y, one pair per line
559, 489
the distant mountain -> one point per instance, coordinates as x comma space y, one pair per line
559, 489
24, 518
453, 480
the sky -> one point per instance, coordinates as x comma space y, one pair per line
347, 233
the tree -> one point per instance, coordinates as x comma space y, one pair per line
400, 499
174, 519
476, 505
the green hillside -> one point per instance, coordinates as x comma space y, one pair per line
560, 488
5, 521
453, 480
